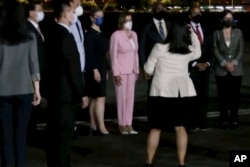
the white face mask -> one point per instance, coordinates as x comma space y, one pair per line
128, 25
39, 16
79, 11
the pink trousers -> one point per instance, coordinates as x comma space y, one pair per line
125, 99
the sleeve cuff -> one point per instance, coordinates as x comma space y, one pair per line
35, 77
194, 64
235, 62
223, 63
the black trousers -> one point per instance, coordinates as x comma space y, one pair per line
229, 97
60, 130
14, 118
199, 104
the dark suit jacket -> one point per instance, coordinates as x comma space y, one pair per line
223, 53
149, 37
65, 76
206, 50
40, 47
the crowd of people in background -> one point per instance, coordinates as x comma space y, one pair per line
68, 70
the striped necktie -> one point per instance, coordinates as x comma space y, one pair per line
161, 31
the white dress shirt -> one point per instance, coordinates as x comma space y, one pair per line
79, 41
36, 25
194, 25
170, 70
164, 26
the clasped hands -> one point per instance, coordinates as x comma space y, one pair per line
230, 66
201, 66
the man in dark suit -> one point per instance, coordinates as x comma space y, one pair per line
200, 70
67, 85
34, 14
154, 32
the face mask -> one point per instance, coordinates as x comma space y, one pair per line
79, 11
99, 21
39, 16
196, 19
160, 15
128, 25
228, 23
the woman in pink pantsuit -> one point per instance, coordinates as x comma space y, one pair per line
125, 67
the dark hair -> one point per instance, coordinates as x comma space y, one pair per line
155, 6
223, 14
190, 10
122, 19
179, 38
94, 10
13, 24
31, 6
59, 7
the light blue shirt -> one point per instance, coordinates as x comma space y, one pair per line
79, 41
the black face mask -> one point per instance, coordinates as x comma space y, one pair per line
196, 19
159, 15
228, 23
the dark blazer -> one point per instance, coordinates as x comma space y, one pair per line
149, 37
65, 76
206, 50
40, 47
223, 53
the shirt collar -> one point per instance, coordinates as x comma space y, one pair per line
65, 26
194, 24
33, 23
158, 21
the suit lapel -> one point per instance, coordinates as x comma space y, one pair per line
156, 32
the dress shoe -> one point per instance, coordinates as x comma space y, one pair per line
131, 130
93, 132
225, 125
234, 125
100, 133
124, 130
148, 165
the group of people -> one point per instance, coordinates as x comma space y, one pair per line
176, 58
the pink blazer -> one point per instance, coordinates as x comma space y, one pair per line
124, 58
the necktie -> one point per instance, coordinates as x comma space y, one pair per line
161, 31
78, 29
40, 32
198, 32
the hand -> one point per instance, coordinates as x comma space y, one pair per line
97, 75
201, 66
230, 66
147, 76
118, 80
36, 98
85, 102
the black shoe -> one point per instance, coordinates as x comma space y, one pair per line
148, 165
93, 132
225, 125
234, 125
181, 166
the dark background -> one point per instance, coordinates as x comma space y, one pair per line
210, 21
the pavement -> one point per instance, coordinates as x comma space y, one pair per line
206, 148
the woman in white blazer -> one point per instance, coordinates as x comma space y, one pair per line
171, 87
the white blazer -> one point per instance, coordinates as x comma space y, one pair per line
170, 70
